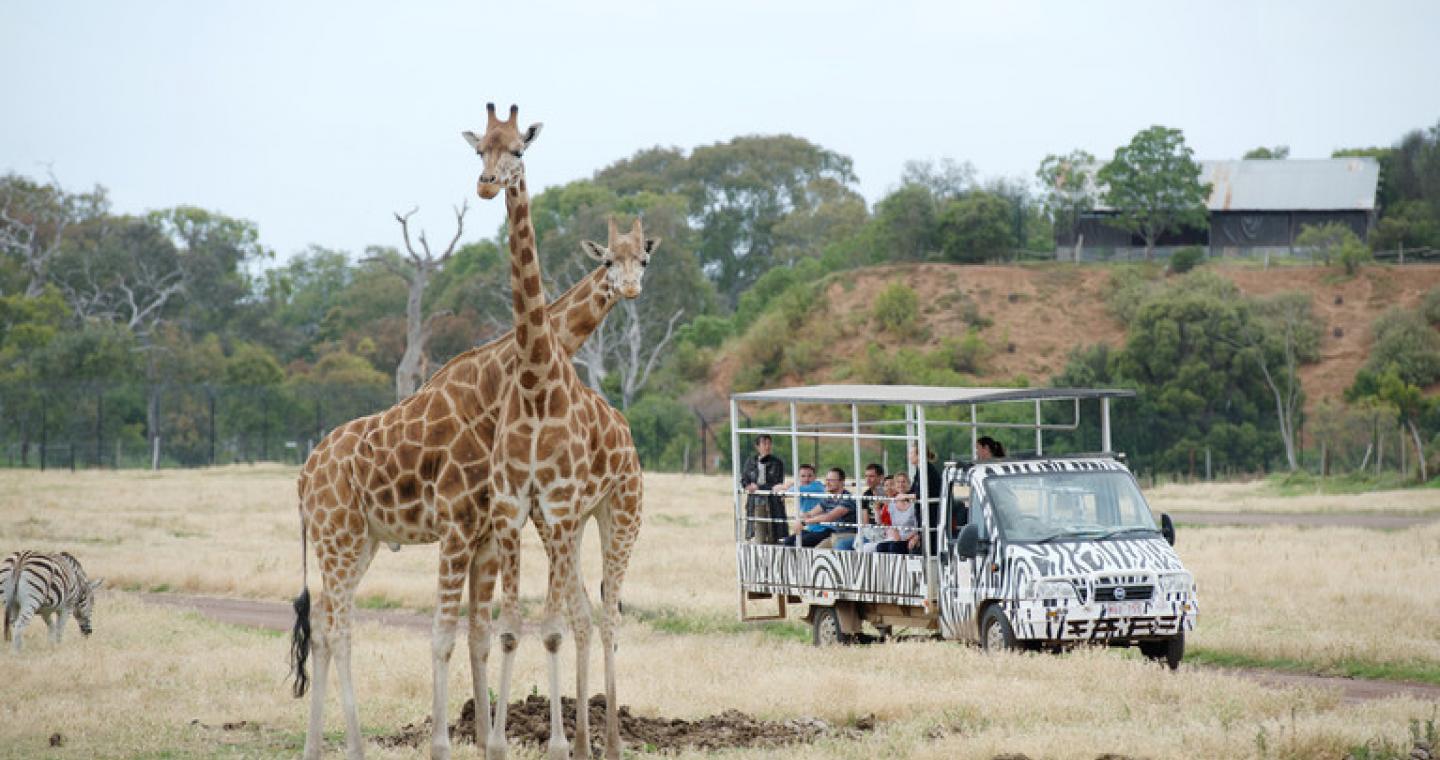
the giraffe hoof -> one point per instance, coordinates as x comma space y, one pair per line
559, 750
440, 752
394, 546
496, 750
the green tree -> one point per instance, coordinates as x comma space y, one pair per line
1198, 388
1153, 184
1282, 334
1334, 240
976, 227
1409, 224
1405, 342
739, 191
1409, 401
1277, 153
904, 226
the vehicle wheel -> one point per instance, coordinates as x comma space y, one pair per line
995, 632
1169, 651
826, 625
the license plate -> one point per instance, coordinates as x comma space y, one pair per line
1124, 609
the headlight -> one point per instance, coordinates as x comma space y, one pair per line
1052, 590
1177, 583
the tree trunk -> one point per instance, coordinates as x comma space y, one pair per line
408, 371
1419, 451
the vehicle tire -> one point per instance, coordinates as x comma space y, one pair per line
1169, 651
825, 624
995, 632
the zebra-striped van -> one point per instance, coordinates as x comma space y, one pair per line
1027, 552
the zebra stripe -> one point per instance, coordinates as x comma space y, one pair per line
35, 582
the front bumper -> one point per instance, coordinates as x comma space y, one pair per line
1115, 622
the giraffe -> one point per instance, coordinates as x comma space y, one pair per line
561, 455
415, 474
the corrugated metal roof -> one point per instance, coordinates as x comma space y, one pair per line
1304, 184
1323, 184
921, 394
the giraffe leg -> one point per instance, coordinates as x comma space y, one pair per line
580, 626
482, 587
454, 568
557, 593
320, 652
507, 520
340, 613
617, 538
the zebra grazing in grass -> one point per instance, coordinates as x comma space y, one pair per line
32, 582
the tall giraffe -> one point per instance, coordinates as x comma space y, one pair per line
414, 474
561, 455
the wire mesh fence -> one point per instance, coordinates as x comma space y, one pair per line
129, 425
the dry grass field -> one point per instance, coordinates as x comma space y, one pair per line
1318, 597
1259, 496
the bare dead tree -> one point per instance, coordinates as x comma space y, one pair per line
622, 346
34, 220
416, 269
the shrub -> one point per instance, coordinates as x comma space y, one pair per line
1187, 258
896, 308
1430, 307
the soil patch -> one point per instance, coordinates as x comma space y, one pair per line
528, 722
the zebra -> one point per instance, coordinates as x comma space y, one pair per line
32, 582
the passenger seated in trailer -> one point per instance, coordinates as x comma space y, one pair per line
902, 535
988, 448
836, 511
872, 496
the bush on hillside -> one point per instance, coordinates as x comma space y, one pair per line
1430, 307
1187, 258
1404, 339
896, 308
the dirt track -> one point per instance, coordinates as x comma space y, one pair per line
280, 617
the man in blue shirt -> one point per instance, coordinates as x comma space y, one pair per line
836, 511
808, 484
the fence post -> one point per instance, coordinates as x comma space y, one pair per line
265, 427
44, 439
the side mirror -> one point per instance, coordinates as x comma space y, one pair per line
969, 545
1167, 528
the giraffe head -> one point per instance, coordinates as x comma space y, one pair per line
502, 147
625, 258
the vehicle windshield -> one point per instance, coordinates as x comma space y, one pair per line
1057, 505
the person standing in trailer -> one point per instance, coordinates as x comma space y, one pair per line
761, 477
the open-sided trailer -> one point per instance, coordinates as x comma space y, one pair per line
1023, 552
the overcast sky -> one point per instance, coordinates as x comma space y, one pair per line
318, 120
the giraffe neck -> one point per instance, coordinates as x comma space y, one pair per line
534, 337
586, 304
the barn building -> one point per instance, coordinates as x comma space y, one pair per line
1256, 208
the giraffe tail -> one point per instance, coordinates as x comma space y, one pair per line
300, 635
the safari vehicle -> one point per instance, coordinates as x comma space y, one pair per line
1033, 551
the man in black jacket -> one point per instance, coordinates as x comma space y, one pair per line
762, 474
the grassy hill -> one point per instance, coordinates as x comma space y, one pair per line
993, 324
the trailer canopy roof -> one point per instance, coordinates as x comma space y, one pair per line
926, 395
